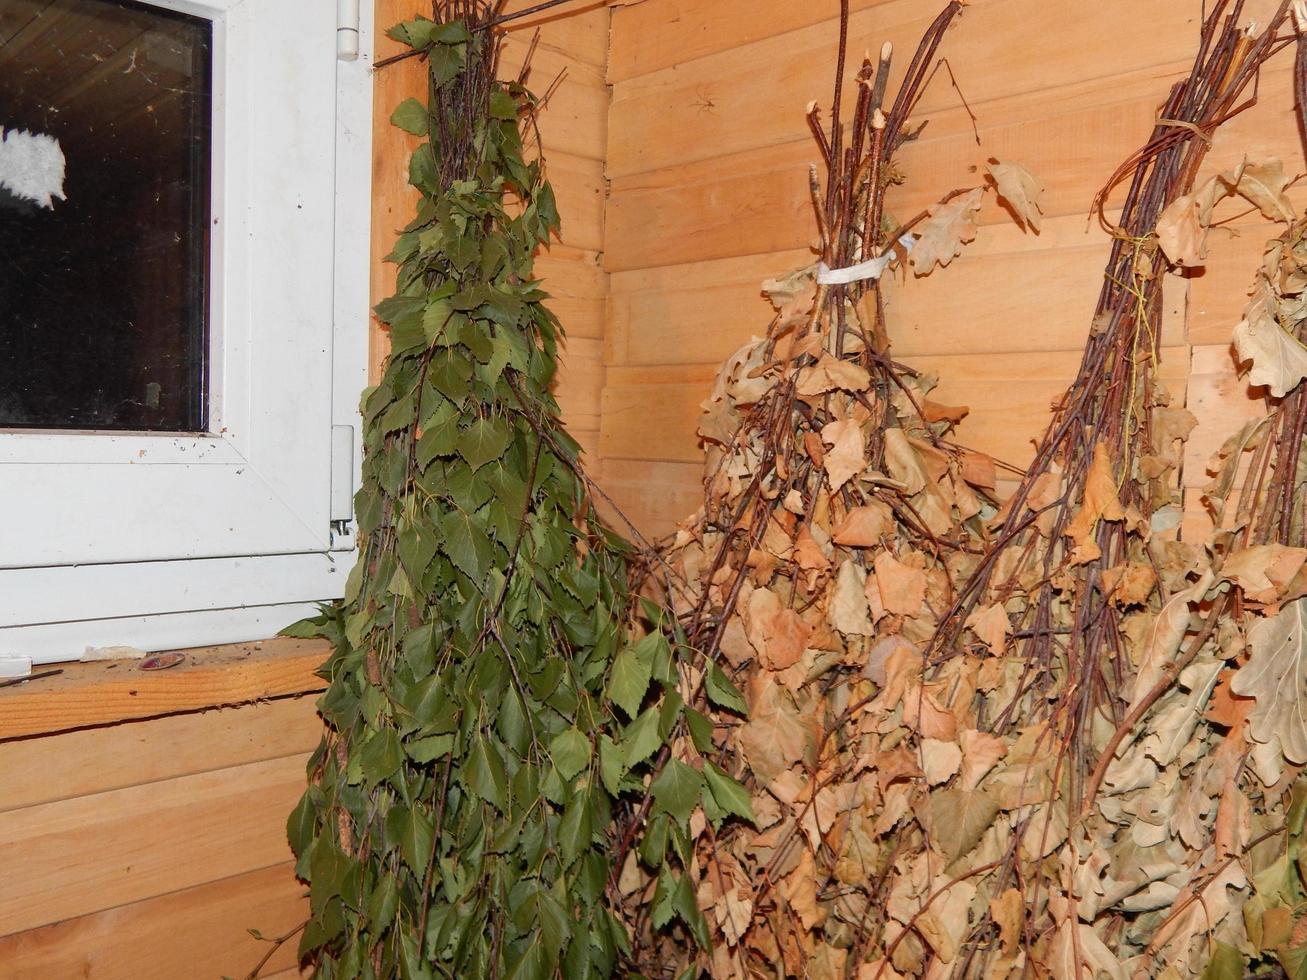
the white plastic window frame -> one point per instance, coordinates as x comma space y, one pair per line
161, 541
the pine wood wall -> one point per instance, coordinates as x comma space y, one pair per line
708, 154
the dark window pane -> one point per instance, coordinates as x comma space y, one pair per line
104, 291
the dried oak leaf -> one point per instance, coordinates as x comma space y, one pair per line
1129, 584
831, 373
1264, 571
1020, 189
941, 236
1279, 360
1276, 678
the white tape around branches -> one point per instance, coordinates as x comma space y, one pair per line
871, 270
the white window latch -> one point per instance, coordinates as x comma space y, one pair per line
347, 30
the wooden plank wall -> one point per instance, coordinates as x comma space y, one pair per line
707, 157
146, 850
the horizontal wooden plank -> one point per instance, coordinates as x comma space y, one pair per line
662, 33
756, 94
196, 932
104, 693
653, 413
78, 856
579, 30
95, 760
758, 201
575, 120
580, 382
652, 496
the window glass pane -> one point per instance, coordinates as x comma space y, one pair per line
103, 273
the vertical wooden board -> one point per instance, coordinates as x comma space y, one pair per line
578, 184
68, 859
393, 200
1219, 291
712, 106
1223, 402
95, 760
196, 932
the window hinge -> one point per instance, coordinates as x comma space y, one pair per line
342, 487
347, 30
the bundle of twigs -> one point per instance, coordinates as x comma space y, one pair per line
837, 518
1061, 536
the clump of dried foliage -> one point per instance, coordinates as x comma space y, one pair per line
1035, 736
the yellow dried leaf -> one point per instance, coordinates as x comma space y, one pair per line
848, 611
904, 463
1100, 502
981, 751
847, 455
1020, 189
902, 589
939, 760
865, 526
991, 626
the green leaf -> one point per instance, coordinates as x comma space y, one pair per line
570, 752
728, 794
502, 105
382, 904
575, 829
612, 764
411, 116
631, 673
676, 790
466, 544
1226, 964
484, 440
723, 693
485, 774
640, 739
381, 756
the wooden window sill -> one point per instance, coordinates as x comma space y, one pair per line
85, 695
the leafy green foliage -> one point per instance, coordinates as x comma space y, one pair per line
490, 712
